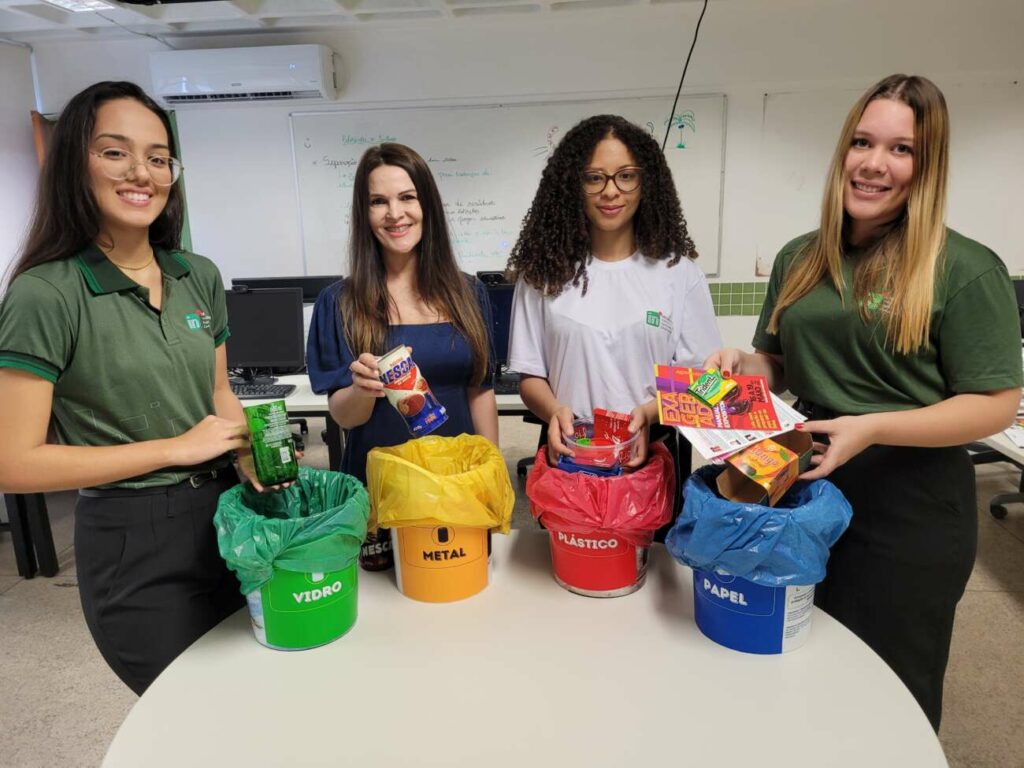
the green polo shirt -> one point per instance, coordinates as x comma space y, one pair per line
836, 359
122, 371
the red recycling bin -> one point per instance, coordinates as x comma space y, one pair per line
602, 527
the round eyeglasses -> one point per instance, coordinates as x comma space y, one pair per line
625, 179
118, 165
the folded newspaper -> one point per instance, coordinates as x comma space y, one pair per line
754, 414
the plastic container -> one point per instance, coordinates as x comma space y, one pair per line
295, 611
440, 564
749, 617
604, 456
597, 564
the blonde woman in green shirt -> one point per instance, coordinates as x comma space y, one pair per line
114, 338
901, 339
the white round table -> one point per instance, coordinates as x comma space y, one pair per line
526, 674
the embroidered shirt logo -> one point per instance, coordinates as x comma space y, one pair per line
878, 303
660, 320
197, 320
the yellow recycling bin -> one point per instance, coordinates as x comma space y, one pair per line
440, 496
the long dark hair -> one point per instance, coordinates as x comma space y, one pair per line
66, 218
554, 244
365, 303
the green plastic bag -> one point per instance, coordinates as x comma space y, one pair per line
315, 526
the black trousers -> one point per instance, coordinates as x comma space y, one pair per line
895, 577
150, 577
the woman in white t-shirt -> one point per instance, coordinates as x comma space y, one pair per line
606, 283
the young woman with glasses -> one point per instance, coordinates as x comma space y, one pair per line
900, 337
113, 369
607, 286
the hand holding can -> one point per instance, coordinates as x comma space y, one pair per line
366, 376
409, 393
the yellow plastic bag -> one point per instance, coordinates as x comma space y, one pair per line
455, 481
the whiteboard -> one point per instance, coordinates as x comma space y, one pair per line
487, 161
986, 165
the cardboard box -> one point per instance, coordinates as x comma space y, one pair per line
762, 473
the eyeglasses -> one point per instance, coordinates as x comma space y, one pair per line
626, 179
118, 164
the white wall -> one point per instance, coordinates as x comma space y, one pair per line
240, 179
18, 167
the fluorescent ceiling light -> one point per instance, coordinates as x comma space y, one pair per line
81, 5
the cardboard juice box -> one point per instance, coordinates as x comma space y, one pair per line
763, 472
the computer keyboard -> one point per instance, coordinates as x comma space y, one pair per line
248, 391
506, 384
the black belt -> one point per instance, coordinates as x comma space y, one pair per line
196, 480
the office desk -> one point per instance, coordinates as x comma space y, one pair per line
304, 402
1003, 444
526, 674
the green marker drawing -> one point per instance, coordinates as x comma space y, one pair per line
681, 121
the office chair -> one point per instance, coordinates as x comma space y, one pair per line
523, 465
982, 454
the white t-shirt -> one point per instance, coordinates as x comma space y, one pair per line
599, 350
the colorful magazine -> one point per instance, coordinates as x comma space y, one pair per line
747, 407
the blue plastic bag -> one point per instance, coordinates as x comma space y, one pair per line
775, 546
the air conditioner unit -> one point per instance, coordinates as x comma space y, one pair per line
244, 74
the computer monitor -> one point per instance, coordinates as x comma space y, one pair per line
311, 285
500, 293
266, 330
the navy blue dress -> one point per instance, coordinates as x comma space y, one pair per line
442, 354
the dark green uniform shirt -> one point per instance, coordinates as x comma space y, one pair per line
834, 359
122, 371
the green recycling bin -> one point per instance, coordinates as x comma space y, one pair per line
295, 553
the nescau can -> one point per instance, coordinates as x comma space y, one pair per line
273, 451
376, 553
409, 392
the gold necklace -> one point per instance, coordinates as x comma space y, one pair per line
132, 269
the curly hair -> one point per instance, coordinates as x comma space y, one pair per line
554, 244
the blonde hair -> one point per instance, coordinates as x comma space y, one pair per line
903, 263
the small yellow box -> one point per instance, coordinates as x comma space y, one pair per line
762, 473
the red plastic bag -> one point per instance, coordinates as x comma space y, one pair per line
632, 506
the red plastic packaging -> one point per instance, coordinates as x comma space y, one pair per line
631, 506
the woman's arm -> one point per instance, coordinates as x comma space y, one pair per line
643, 416
538, 397
28, 464
227, 406
352, 405
225, 403
483, 410
954, 421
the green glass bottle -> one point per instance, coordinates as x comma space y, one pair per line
273, 451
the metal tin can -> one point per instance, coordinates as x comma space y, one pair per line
273, 451
409, 392
376, 554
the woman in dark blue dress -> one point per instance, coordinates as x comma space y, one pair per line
403, 287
